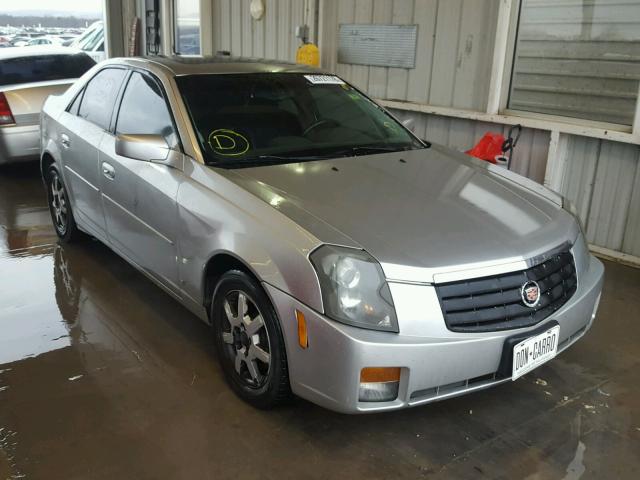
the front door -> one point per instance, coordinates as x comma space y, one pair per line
139, 197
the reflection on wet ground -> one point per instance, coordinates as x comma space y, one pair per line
102, 375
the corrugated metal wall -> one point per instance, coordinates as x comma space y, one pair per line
272, 37
455, 49
529, 156
603, 179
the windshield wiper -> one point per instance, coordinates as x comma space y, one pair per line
367, 149
374, 149
293, 157
264, 160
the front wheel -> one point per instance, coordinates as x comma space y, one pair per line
60, 208
249, 341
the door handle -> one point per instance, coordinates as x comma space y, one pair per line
108, 171
64, 140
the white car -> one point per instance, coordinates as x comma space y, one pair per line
43, 41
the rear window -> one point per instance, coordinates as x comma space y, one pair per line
42, 68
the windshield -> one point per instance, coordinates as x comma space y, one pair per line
266, 118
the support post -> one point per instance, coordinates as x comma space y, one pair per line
556, 161
500, 48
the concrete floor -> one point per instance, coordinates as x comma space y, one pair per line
102, 375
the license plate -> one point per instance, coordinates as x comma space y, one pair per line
535, 351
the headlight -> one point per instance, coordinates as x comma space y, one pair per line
354, 289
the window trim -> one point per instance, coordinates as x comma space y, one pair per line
540, 121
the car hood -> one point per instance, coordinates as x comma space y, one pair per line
422, 209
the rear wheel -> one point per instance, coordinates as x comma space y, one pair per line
249, 341
60, 208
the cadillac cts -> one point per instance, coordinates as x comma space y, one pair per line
336, 255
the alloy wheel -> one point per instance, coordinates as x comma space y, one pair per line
59, 204
246, 339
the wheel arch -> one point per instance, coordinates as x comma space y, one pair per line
218, 264
45, 162
50, 155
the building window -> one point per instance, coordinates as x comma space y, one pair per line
578, 58
187, 27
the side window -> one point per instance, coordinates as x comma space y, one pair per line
144, 110
100, 95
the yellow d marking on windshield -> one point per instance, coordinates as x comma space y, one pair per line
228, 143
390, 126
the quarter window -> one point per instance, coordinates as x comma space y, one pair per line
144, 110
73, 109
99, 96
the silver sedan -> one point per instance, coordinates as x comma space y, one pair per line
336, 255
27, 77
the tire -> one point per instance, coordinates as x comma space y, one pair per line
60, 208
244, 344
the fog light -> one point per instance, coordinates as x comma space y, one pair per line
379, 384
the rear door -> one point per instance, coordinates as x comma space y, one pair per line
83, 127
140, 197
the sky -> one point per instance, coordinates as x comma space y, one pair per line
70, 6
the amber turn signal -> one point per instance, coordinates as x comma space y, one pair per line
303, 339
380, 374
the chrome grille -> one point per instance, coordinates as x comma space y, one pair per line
490, 304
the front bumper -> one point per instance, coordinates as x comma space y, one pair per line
435, 362
19, 143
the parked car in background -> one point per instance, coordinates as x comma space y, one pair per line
20, 41
67, 40
43, 41
91, 41
335, 254
28, 76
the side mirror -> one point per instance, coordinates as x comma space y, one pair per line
148, 148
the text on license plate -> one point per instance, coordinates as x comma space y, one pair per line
535, 351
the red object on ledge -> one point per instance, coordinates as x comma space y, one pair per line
489, 147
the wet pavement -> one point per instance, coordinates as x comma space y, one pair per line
104, 376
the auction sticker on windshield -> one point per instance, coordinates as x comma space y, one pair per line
535, 351
324, 79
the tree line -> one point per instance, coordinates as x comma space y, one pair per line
45, 21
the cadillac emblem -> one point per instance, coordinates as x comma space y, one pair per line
530, 293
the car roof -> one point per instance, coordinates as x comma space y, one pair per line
219, 64
36, 50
